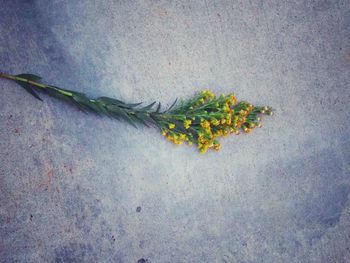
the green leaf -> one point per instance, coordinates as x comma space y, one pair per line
31, 77
82, 101
117, 112
148, 107
143, 122
51, 90
98, 108
29, 89
172, 105
158, 108
109, 101
146, 118
130, 105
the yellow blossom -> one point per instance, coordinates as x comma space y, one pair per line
215, 122
202, 126
233, 99
183, 136
242, 112
205, 124
203, 149
246, 130
187, 124
216, 147
207, 94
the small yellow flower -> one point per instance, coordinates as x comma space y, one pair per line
218, 133
183, 136
203, 149
226, 107
216, 147
205, 124
247, 130
171, 125
207, 94
215, 122
187, 124
201, 139
233, 99
242, 112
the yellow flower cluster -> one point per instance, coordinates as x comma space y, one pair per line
206, 117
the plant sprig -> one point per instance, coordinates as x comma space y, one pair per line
200, 120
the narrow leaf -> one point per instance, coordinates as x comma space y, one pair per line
148, 107
30, 77
98, 108
130, 105
158, 107
146, 117
117, 112
29, 89
109, 101
172, 105
54, 93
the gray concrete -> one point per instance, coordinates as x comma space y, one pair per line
78, 188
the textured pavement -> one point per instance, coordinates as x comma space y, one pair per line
79, 188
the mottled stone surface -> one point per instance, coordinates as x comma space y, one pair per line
79, 188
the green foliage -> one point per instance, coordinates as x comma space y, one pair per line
199, 120
28, 87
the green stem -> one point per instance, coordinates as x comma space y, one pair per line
34, 83
16, 78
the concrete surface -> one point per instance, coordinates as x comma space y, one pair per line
78, 188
